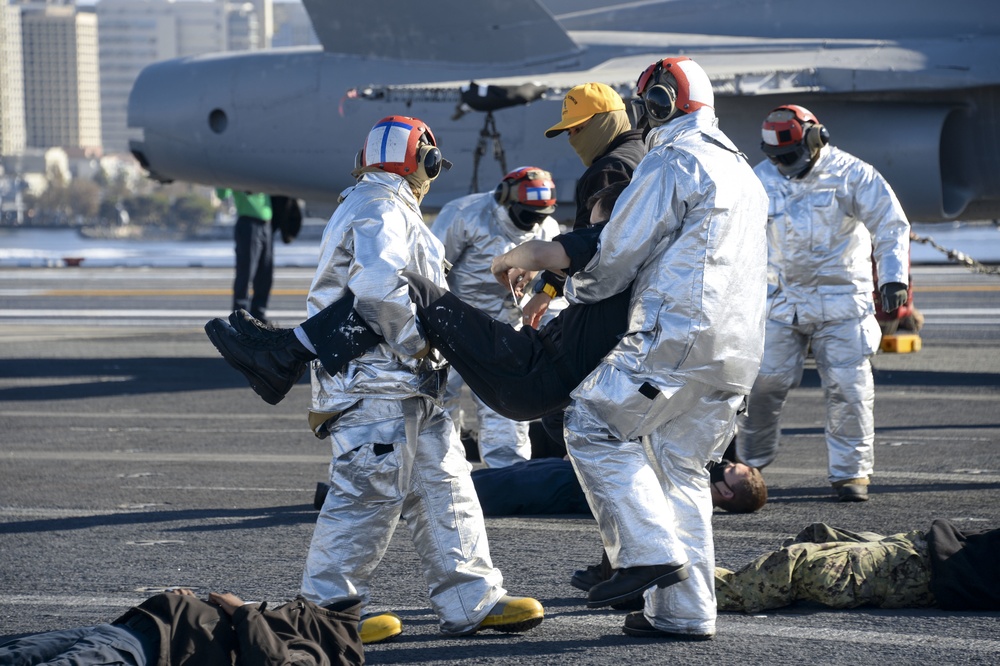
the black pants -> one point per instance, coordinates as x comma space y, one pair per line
254, 264
521, 374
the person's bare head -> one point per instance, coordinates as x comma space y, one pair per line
602, 202
738, 488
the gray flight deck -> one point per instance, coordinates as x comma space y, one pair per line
132, 458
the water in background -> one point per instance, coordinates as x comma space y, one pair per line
26, 247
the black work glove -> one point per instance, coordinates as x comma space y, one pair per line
893, 296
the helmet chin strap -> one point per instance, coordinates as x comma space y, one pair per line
419, 184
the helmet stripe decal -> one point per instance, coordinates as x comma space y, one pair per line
537, 193
387, 142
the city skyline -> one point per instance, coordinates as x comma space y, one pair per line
67, 84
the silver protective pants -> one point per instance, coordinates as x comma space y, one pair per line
502, 441
652, 500
408, 463
842, 350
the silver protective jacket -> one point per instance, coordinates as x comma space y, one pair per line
823, 230
374, 234
473, 230
688, 231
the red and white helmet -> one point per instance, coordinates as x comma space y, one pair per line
792, 137
529, 195
403, 145
529, 186
671, 86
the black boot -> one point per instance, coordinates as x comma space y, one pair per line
272, 361
633, 581
638, 626
247, 324
337, 333
584, 579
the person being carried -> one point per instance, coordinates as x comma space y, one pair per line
473, 229
943, 566
496, 360
177, 627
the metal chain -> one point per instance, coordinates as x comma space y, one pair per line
957, 256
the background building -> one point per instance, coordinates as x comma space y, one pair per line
292, 26
61, 82
137, 33
12, 130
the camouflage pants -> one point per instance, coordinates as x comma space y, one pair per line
835, 568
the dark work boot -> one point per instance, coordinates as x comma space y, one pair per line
247, 324
638, 626
337, 332
584, 579
632, 581
272, 363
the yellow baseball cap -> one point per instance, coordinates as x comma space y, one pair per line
582, 102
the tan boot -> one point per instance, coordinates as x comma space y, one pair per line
852, 490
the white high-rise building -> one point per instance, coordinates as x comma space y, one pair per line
12, 129
61, 82
244, 28
264, 9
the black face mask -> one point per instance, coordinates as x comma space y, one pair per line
524, 218
718, 472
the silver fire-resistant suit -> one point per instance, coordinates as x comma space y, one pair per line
822, 231
689, 230
395, 452
473, 230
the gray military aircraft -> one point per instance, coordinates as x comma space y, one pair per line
911, 86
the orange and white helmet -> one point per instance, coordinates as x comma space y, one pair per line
671, 86
403, 145
792, 137
529, 194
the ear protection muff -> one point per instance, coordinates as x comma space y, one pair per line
502, 192
816, 136
661, 102
430, 162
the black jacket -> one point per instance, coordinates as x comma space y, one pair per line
964, 570
196, 633
617, 164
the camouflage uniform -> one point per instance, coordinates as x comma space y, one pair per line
835, 568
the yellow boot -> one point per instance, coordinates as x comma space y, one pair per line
378, 628
514, 614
